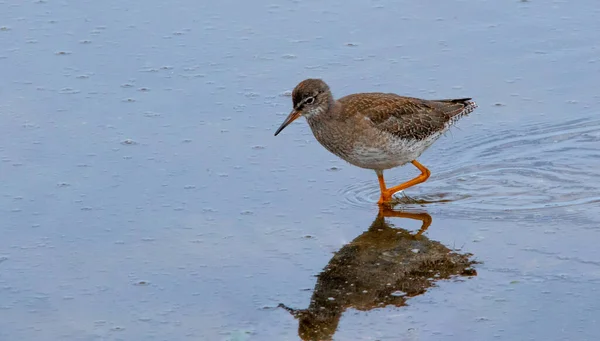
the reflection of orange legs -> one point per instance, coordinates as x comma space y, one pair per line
386, 193
422, 216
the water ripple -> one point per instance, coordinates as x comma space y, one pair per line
527, 168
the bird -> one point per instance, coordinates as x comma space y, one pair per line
368, 272
375, 130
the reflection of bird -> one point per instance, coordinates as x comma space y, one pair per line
383, 266
376, 131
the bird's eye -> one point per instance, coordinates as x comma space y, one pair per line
310, 100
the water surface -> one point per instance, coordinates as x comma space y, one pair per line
144, 197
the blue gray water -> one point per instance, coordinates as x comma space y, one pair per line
144, 197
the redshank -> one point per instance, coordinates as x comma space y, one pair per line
375, 130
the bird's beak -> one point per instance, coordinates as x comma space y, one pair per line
291, 117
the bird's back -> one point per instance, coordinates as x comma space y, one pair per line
406, 117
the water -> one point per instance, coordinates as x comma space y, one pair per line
144, 196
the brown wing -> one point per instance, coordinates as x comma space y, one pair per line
407, 117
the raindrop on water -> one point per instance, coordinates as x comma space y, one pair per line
128, 142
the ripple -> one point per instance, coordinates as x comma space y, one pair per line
366, 193
532, 167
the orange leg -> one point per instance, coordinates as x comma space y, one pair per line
422, 216
387, 193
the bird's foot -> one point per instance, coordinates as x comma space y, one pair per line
408, 200
386, 198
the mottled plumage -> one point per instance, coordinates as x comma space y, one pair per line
375, 130
406, 117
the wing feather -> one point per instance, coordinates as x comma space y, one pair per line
407, 117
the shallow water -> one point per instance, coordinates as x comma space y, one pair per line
144, 196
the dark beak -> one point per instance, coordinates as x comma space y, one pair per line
294, 312
291, 117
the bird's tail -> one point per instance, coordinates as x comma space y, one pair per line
456, 108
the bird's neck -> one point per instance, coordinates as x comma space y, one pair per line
331, 107
325, 119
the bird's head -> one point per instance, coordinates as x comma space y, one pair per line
310, 97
